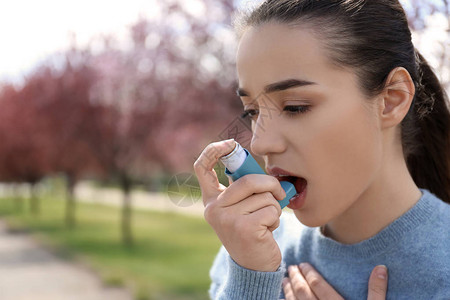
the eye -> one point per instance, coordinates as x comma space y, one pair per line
293, 110
249, 113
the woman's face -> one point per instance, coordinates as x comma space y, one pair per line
334, 142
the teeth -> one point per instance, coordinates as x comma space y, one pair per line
284, 175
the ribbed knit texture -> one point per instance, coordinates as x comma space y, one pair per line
265, 285
415, 248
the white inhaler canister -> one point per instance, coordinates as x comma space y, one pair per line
240, 162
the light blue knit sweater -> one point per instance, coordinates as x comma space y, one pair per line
415, 248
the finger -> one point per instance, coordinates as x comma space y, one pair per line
300, 285
252, 184
378, 283
204, 167
274, 225
266, 217
256, 202
287, 289
318, 284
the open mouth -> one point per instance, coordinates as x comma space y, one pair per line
299, 182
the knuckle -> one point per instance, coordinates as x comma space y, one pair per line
273, 181
279, 211
314, 282
197, 164
268, 196
244, 180
208, 149
209, 146
377, 290
275, 225
221, 197
273, 210
209, 213
214, 148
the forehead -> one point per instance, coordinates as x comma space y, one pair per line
274, 51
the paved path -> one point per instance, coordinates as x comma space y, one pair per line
28, 272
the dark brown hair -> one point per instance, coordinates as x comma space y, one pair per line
372, 38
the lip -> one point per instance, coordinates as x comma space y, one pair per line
298, 201
276, 172
300, 183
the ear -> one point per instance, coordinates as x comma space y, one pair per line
396, 97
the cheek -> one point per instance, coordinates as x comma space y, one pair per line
347, 148
342, 155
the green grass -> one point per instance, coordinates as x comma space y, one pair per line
170, 260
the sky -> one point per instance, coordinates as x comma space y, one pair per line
32, 30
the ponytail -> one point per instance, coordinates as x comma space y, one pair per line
429, 124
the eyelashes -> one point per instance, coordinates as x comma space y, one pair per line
249, 113
296, 109
291, 111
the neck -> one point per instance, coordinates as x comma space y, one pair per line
388, 197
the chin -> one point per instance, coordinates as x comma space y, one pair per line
310, 220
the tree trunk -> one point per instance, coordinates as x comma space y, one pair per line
70, 201
34, 200
18, 199
127, 234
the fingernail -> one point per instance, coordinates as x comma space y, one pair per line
381, 272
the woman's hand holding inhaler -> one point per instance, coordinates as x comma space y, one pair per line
245, 213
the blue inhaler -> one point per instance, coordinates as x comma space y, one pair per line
240, 162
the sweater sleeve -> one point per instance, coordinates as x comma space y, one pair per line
231, 281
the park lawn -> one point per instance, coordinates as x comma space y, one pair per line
170, 259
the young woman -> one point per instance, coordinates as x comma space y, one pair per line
341, 101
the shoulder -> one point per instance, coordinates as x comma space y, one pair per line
429, 239
440, 212
427, 224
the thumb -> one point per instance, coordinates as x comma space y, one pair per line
378, 282
204, 167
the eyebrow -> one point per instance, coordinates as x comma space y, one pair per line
278, 86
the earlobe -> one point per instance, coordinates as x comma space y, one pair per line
396, 97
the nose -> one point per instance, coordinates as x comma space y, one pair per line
267, 134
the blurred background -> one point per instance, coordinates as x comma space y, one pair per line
104, 107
